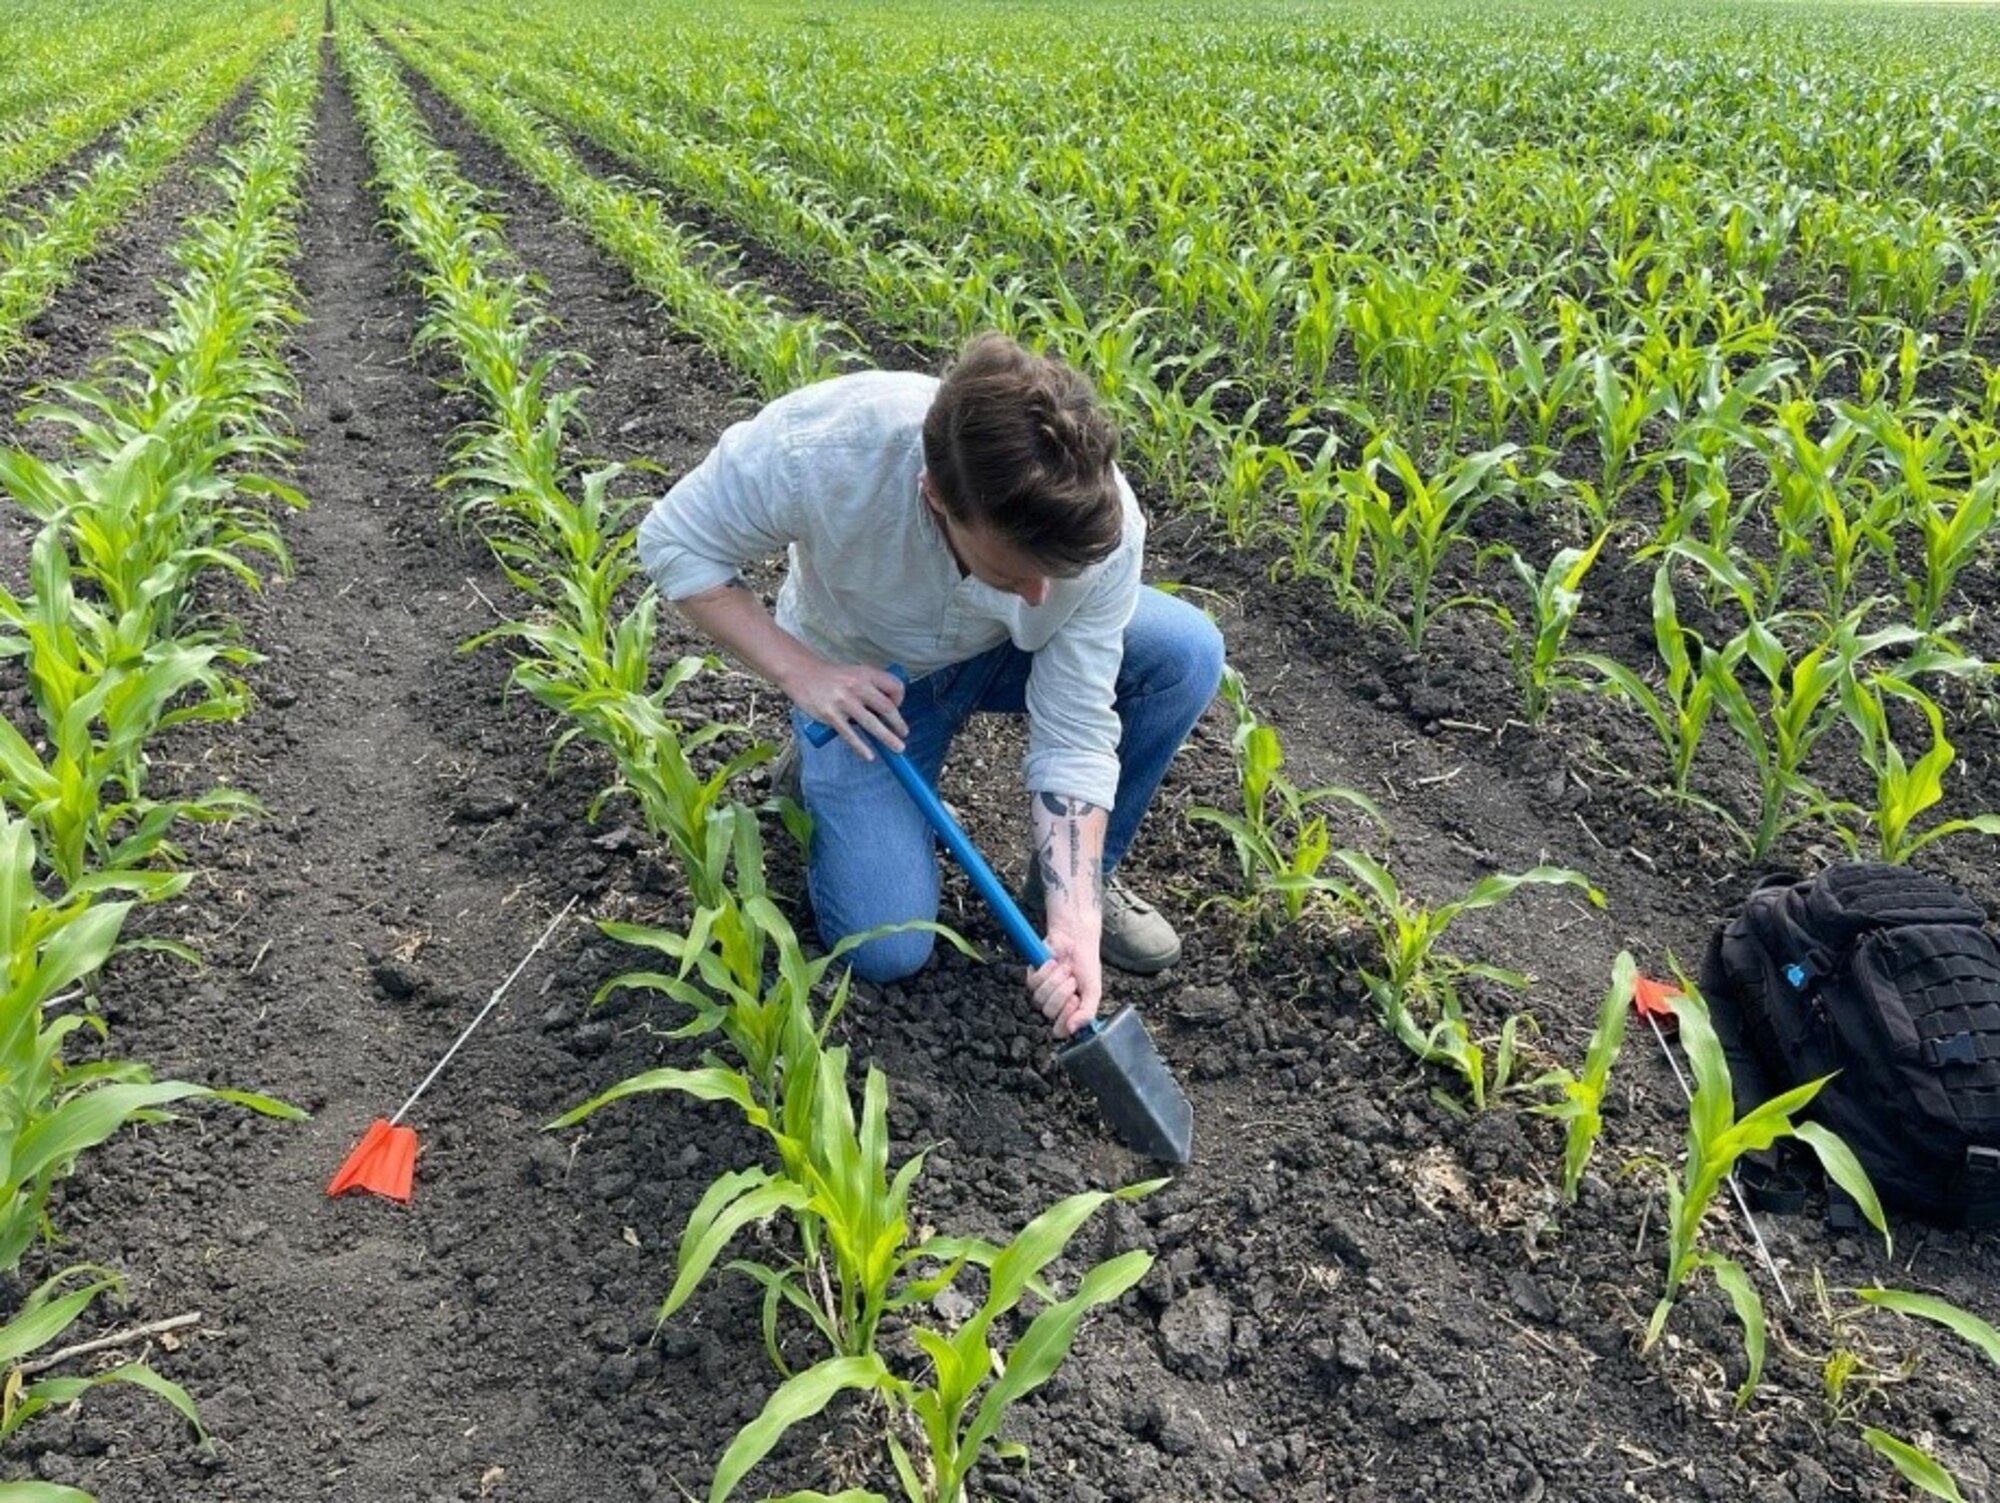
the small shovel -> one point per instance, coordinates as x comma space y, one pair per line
1117, 1062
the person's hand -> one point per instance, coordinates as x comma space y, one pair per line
855, 702
1069, 989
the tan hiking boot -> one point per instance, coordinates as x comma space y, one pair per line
1137, 939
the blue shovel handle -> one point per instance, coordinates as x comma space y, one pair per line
1005, 909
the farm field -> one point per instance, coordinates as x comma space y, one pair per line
1583, 422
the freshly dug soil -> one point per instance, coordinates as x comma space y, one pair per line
1359, 1294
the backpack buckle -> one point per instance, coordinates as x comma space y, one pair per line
1982, 1166
1958, 1049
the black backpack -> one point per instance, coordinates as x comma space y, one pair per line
1888, 977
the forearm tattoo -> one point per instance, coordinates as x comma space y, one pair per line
1064, 869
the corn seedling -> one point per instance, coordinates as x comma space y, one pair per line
1581, 1109
1416, 990
1679, 709
1904, 790
740, 969
857, 1248
1798, 699
1955, 526
49, 1310
958, 1409
51, 1110
1706, 506
1536, 638
1407, 524
1716, 1140
1830, 518
1281, 838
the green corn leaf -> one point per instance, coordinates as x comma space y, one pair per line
711, 1083
1038, 1244
41, 1492
796, 1399
1493, 889
952, 1376
1962, 1323
906, 1472
1978, 824
1767, 1122
1633, 690
78, 949
1710, 1113
1845, 1170
1729, 1275
266, 1106
1373, 876
85, 1120
1919, 1468
733, 1202
19, 898
46, 1315
142, 1376
1047, 1341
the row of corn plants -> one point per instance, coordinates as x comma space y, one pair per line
103, 98
778, 347
162, 489
1183, 204
60, 53
763, 1008
1674, 363
1395, 325
41, 249
1309, 145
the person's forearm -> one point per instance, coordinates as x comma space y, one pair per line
858, 702
736, 619
1069, 850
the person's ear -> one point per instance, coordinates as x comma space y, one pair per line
927, 488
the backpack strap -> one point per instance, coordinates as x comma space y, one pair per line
1842, 1214
1982, 1186
1772, 1182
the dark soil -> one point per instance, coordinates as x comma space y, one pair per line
1359, 1294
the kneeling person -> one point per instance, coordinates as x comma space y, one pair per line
977, 531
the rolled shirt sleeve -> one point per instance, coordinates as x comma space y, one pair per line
731, 509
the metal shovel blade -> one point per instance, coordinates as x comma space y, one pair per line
1138, 1095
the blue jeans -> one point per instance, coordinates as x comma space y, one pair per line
874, 859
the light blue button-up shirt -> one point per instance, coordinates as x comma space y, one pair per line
829, 473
